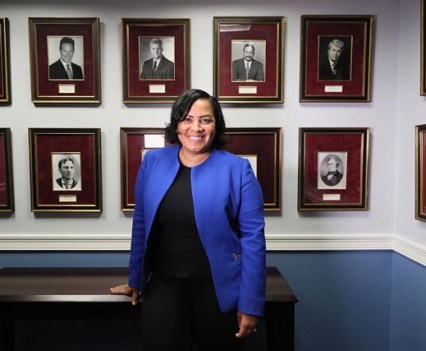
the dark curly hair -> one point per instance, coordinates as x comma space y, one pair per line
183, 105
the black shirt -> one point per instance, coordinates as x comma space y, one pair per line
180, 251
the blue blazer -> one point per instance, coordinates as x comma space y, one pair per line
228, 206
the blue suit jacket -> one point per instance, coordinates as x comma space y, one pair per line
228, 206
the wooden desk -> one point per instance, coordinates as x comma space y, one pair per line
82, 293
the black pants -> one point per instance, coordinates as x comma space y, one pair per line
180, 313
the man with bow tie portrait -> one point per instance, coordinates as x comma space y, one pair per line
334, 62
331, 171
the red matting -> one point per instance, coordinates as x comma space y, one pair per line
347, 142
46, 144
3, 170
422, 180
2, 53
354, 86
262, 145
2, 77
267, 32
135, 143
48, 87
138, 87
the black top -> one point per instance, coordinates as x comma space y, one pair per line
180, 252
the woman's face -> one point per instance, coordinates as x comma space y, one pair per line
196, 131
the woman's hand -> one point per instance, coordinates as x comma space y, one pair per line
247, 324
125, 289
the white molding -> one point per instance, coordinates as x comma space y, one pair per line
274, 242
410, 249
299, 242
80, 242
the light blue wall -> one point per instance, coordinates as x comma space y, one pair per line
348, 300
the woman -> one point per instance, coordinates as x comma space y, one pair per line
198, 247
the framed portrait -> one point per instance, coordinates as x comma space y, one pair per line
249, 59
134, 143
156, 59
5, 98
262, 147
333, 169
421, 172
65, 166
65, 61
336, 56
422, 48
6, 172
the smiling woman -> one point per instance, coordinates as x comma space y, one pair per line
198, 245
196, 133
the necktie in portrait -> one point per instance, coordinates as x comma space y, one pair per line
69, 72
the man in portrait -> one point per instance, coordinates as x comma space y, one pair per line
66, 167
247, 68
158, 66
333, 176
334, 62
63, 68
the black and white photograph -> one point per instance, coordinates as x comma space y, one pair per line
157, 57
248, 60
334, 58
66, 57
66, 171
332, 170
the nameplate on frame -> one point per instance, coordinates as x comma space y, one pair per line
66, 88
333, 89
331, 197
67, 198
247, 90
157, 88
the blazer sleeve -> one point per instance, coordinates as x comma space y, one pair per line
138, 242
252, 237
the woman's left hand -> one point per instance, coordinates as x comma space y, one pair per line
247, 324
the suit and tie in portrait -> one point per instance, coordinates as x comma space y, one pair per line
57, 71
71, 185
67, 167
334, 63
165, 69
332, 178
332, 171
255, 71
63, 68
247, 68
158, 66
